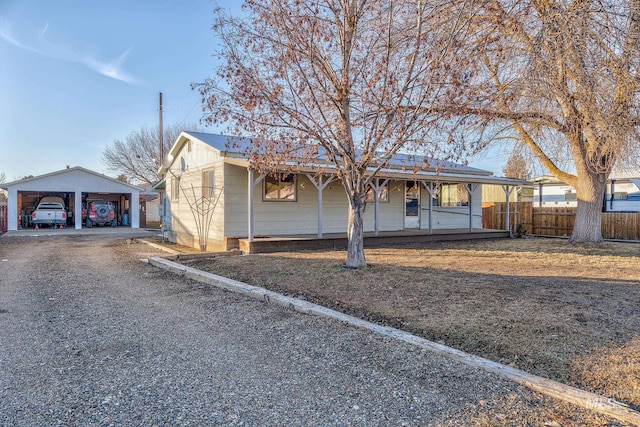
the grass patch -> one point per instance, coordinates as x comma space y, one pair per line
570, 313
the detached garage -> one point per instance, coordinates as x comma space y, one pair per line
77, 187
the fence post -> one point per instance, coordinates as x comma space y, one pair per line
3, 218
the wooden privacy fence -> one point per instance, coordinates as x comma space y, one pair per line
552, 221
494, 216
3, 219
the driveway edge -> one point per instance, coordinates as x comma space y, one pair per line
555, 389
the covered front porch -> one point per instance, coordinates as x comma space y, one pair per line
266, 244
424, 206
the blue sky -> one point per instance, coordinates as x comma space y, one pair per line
77, 74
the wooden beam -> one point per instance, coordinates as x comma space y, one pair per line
431, 189
508, 189
320, 186
470, 187
251, 184
377, 189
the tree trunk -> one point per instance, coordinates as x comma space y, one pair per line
590, 193
355, 233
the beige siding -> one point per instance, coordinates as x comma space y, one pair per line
201, 157
277, 218
391, 214
495, 193
452, 217
300, 217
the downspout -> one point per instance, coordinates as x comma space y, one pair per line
539, 194
613, 191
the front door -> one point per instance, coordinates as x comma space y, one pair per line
412, 205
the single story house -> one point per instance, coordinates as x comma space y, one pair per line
76, 186
213, 198
622, 193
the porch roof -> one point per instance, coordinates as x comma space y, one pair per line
406, 175
402, 166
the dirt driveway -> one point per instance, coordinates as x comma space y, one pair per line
90, 335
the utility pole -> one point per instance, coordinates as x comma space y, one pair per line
163, 195
160, 134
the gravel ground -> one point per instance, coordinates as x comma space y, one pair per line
90, 335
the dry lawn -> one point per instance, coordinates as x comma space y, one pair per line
556, 310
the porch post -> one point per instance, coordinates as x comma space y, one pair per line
470, 189
252, 184
250, 206
12, 210
77, 209
377, 188
508, 189
320, 186
319, 189
134, 209
430, 189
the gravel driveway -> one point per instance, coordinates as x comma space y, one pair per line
90, 335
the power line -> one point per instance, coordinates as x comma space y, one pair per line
175, 108
190, 111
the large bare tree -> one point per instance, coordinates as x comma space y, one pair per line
137, 156
562, 77
349, 82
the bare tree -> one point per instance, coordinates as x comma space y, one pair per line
136, 158
562, 77
347, 82
516, 167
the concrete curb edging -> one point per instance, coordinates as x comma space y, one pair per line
157, 246
555, 389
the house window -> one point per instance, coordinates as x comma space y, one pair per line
280, 188
208, 183
175, 188
620, 195
383, 196
450, 195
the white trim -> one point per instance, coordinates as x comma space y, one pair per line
377, 189
320, 186
251, 185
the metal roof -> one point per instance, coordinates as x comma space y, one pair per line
66, 171
400, 161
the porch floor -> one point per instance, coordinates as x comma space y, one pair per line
264, 244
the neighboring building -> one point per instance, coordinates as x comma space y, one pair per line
76, 186
622, 194
150, 205
204, 176
495, 193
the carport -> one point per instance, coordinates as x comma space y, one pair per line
76, 186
